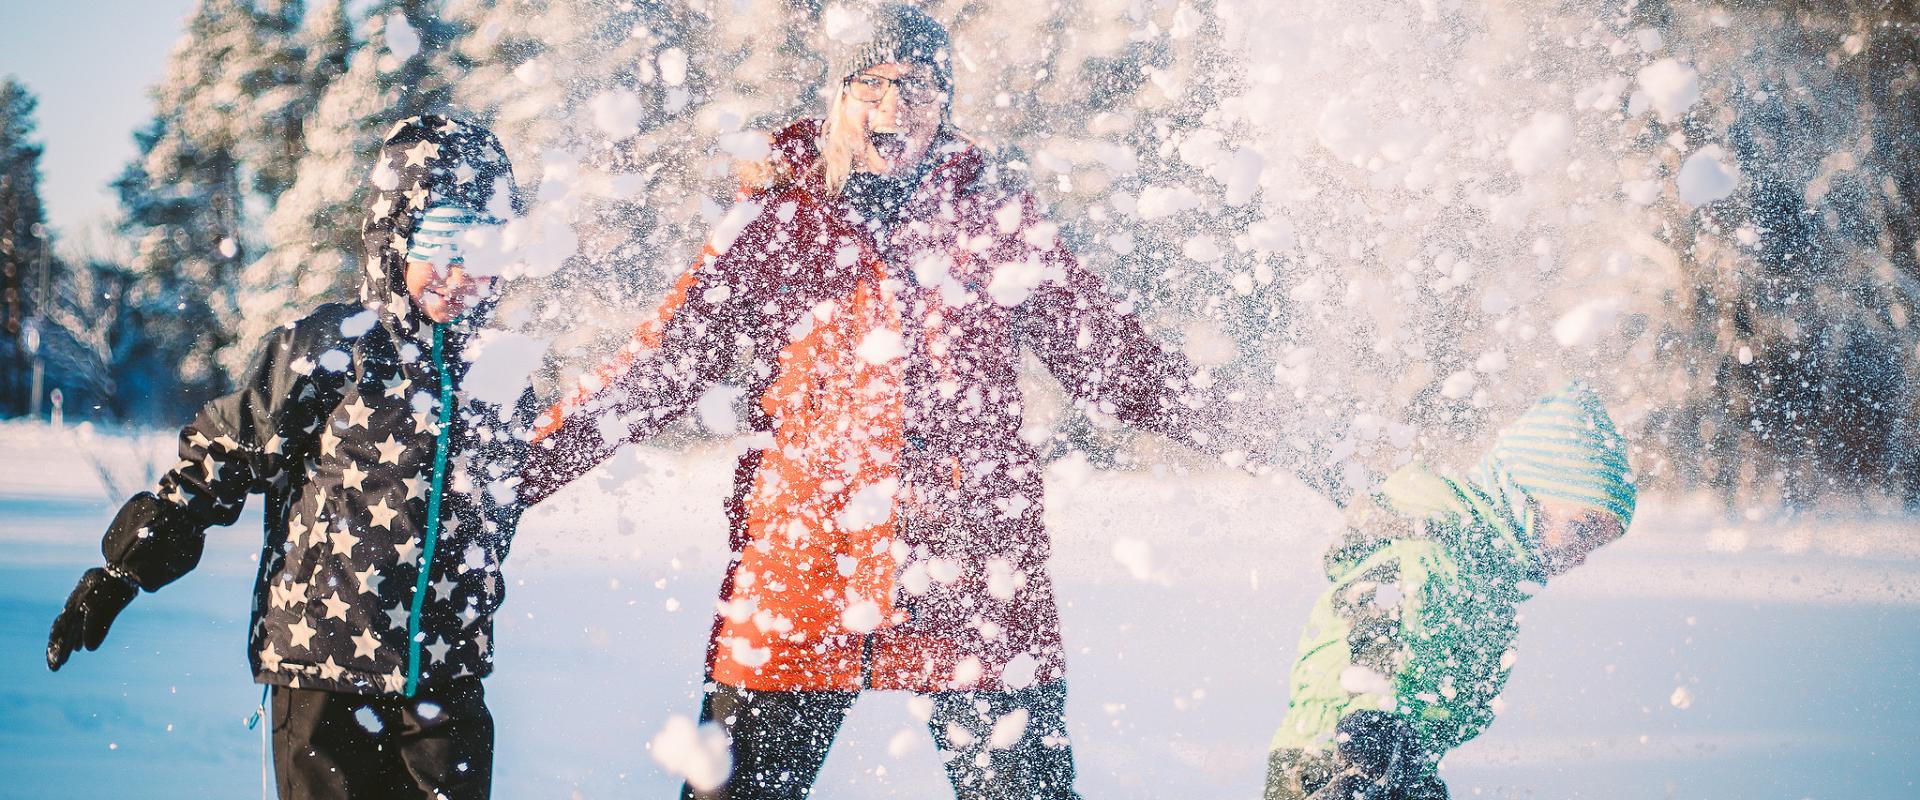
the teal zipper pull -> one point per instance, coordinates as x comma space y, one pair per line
259, 710
435, 491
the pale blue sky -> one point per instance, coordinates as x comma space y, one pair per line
91, 65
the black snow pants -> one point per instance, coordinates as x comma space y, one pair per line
1377, 758
340, 746
780, 740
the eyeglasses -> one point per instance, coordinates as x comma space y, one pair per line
867, 87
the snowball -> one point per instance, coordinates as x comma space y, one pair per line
868, 506
1164, 201
715, 409
1207, 344
673, 66
1020, 672
1670, 86
746, 655
1458, 385
1360, 680
1540, 145
616, 112
747, 146
1041, 235
1135, 556
1008, 729
1586, 323
1014, 281
967, 672
1007, 219
905, 741
533, 73
358, 324
732, 224
1002, 581
880, 346
1641, 192
501, 363
1272, 235
1706, 176
1682, 698
1201, 248
1242, 176
537, 243
384, 177
846, 25
402, 40
861, 616
698, 753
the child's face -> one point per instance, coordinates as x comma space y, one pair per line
443, 294
1568, 534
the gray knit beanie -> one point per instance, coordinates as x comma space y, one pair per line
901, 33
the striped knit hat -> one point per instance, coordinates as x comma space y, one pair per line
901, 34
1564, 449
437, 240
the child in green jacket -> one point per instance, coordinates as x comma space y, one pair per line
1404, 655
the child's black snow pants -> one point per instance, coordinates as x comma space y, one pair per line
340, 746
780, 740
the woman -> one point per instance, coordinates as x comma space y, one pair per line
880, 282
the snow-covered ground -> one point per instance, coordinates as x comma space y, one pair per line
1773, 659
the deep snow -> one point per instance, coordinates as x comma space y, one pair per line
1696, 659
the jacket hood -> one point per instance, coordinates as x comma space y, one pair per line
425, 161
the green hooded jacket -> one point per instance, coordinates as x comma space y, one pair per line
1419, 621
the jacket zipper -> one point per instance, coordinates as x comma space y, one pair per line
434, 493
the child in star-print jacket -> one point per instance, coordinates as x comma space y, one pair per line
389, 498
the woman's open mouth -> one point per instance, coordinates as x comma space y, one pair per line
890, 146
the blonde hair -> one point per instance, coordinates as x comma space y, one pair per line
838, 145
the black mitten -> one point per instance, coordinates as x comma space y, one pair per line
150, 543
153, 542
1377, 755
90, 609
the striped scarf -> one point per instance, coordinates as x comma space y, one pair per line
1564, 449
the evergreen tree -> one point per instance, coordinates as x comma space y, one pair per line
25, 256
184, 199
401, 66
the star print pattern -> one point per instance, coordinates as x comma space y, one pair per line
344, 451
358, 413
391, 450
383, 515
365, 644
343, 541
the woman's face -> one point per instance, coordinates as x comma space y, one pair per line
898, 107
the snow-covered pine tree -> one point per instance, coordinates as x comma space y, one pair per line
185, 196
24, 246
279, 73
619, 119
1790, 355
1119, 112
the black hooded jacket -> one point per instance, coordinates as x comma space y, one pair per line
352, 423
